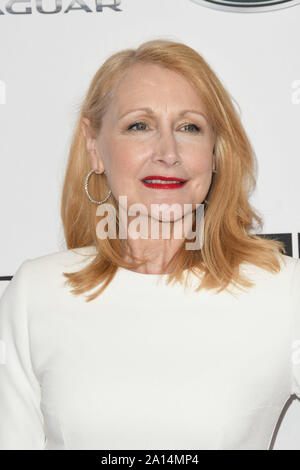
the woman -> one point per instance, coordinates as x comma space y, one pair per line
204, 359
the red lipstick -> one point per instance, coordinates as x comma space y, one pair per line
149, 183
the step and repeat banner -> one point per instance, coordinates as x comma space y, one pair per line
50, 49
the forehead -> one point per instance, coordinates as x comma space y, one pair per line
154, 85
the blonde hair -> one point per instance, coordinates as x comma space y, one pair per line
229, 216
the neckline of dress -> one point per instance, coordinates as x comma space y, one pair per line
138, 274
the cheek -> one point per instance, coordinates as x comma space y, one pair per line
125, 157
200, 167
120, 162
199, 156
124, 168
204, 159
127, 167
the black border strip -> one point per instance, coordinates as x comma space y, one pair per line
6, 278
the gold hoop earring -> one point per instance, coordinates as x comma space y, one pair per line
87, 191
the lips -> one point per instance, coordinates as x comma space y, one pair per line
171, 182
165, 178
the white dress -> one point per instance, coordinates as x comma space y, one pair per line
145, 365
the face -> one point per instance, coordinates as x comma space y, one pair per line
171, 138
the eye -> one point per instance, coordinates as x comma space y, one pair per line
194, 126
132, 126
136, 124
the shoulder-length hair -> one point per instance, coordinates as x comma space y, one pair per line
229, 217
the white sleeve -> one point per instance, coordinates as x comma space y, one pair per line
296, 331
21, 419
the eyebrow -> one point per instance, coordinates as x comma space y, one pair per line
152, 113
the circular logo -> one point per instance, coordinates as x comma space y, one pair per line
247, 6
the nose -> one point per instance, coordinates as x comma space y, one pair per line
166, 151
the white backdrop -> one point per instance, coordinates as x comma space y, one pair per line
47, 62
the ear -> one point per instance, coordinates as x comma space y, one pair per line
91, 146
